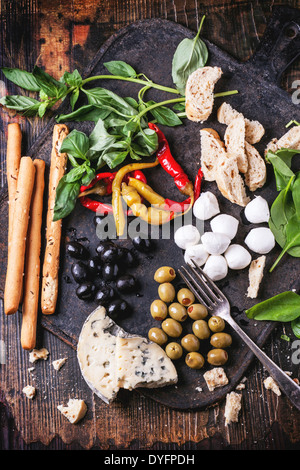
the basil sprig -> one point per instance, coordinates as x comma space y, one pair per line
284, 219
284, 307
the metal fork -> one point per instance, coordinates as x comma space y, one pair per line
206, 291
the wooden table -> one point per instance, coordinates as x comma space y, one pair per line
62, 36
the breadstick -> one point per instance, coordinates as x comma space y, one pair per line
13, 157
53, 229
17, 243
32, 261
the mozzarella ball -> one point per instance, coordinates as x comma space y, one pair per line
260, 240
215, 243
257, 210
195, 253
237, 257
206, 206
187, 235
216, 267
226, 224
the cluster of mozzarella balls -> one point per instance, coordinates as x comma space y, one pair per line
214, 249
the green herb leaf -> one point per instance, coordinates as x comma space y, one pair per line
296, 327
190, 55
21, 78
73, 79
76, 143
281, 161
48, 84
282, 307
164, 115
118, 67
22, 104
89, 112
66, 197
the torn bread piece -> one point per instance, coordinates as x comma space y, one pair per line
29, 391
256, 272
232, 407
254, 130
235, 142
256, 174
212, 150
215, 377
200, 93
230, 182
290, 140
74, 411
270, 384
37, 354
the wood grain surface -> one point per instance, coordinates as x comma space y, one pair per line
61, 36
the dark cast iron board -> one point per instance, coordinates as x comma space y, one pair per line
149, 47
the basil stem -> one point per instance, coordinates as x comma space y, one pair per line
134, 80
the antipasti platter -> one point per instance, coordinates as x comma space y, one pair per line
149, 47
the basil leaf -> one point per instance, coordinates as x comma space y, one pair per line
75, 174
22, 104
43, 108
66, 197
118, 67
281, 211
107, 98
48, 84
72, 79
74, 97
282, 307
99, 138
296, 327
147, 140
76, 143
113, 159
164, 115
190, 55
85, 113
179, 107
21, 78
89, 176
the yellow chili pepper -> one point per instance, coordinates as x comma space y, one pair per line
116, 192
147, 192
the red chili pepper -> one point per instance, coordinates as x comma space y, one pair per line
170, 165
198, 183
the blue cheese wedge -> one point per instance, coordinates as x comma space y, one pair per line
141, 363
110, 358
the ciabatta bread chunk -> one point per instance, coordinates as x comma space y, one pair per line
212, 149
232, 407
254, 130
235, 142
256, 174
230, 182
290, 140
199, 93
256, 272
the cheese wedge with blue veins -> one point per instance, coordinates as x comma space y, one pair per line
107, 363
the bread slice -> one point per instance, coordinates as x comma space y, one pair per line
290, 140
230, 182
256, 272
256, 174
199, 93
254, 130
235, 142
212, 150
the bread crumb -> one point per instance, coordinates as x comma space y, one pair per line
59, 363
74, 411
29, 391
270, 384
37, 354
215, 378
232, 407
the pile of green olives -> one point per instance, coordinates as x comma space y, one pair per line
172, 308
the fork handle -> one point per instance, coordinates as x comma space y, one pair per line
285, 383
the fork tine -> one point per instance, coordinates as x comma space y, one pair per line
196, 288
212, 285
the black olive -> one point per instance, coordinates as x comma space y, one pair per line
86, 291
126, 283
117, 307
110, 254
142, 244
80, 272
77, 250
110, 271
127, 258
103, 245
94, 265
104, 295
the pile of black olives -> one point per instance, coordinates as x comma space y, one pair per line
109, 265
172, 309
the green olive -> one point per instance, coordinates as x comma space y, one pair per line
194, 360
197, 312
166, 292
221, 340
200, 329
177, 311
158, 310
217, 357
164, 274
157, 335
185, 297
174, 351
172, 327
190, 343
216, 324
